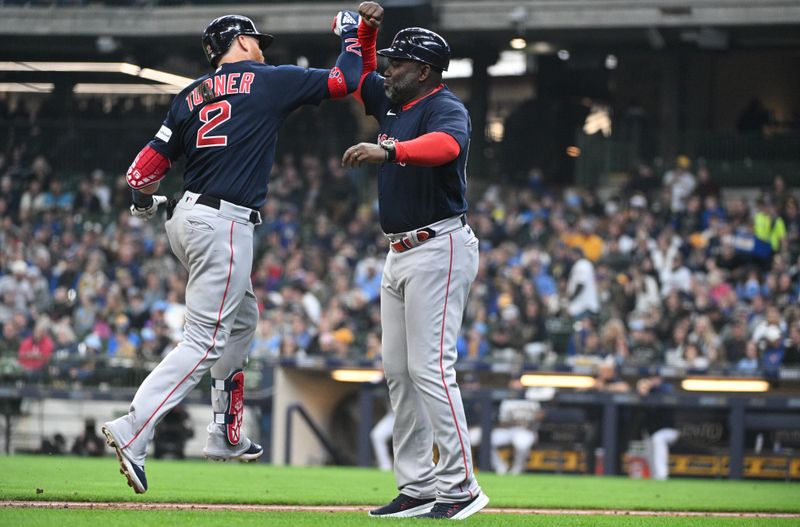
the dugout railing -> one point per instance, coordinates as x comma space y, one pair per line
744, 412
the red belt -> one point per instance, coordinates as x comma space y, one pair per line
407, 243
424, 234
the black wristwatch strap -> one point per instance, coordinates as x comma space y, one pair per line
391, 152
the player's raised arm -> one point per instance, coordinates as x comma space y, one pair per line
311, 85
345, 76
149, 168
370, 86
371, 17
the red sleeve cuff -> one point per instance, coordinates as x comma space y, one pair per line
368, 37
429, 150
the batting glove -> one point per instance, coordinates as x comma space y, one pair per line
345, 21
146, 213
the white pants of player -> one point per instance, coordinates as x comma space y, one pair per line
660, 442
521, 440
380, 435
216, 247
423, 294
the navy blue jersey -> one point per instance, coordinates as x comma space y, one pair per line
413, 196
229, 141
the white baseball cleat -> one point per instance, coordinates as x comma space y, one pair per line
253, 452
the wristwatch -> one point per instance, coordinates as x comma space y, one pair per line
391, 153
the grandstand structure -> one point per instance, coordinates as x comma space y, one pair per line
661, 137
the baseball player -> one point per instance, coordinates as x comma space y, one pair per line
422, 154
226, 125
517, 426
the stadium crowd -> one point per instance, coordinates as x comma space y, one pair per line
668, 269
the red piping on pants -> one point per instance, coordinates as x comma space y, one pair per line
213, 343
441, 368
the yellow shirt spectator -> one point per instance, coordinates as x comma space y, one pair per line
769, 230
590, 244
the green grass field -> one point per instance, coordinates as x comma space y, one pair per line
76, 479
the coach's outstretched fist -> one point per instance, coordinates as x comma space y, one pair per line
372, 13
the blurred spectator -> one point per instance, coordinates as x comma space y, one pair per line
55, 446
675, 276
643, 184
791, 350
680, 183
89, 443
35, 351
16, 288
749, 363
771, 345
735, 342
706, 188
644, 348
609, 380
768, 226
590, 244
754, 117
692, 358
582, 287
172, 434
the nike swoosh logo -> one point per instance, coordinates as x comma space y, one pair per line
390, 113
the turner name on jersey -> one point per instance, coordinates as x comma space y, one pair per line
219, 85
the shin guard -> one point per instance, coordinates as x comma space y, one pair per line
233, 416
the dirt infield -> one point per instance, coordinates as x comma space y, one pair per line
363, 508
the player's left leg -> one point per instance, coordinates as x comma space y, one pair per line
225, 438
412, 435
439, 276
219, 259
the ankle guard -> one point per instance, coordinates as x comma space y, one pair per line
233, 417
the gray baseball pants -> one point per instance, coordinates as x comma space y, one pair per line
216, 247
423, 294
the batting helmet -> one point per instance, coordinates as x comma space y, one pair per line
221, 32
420, 44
